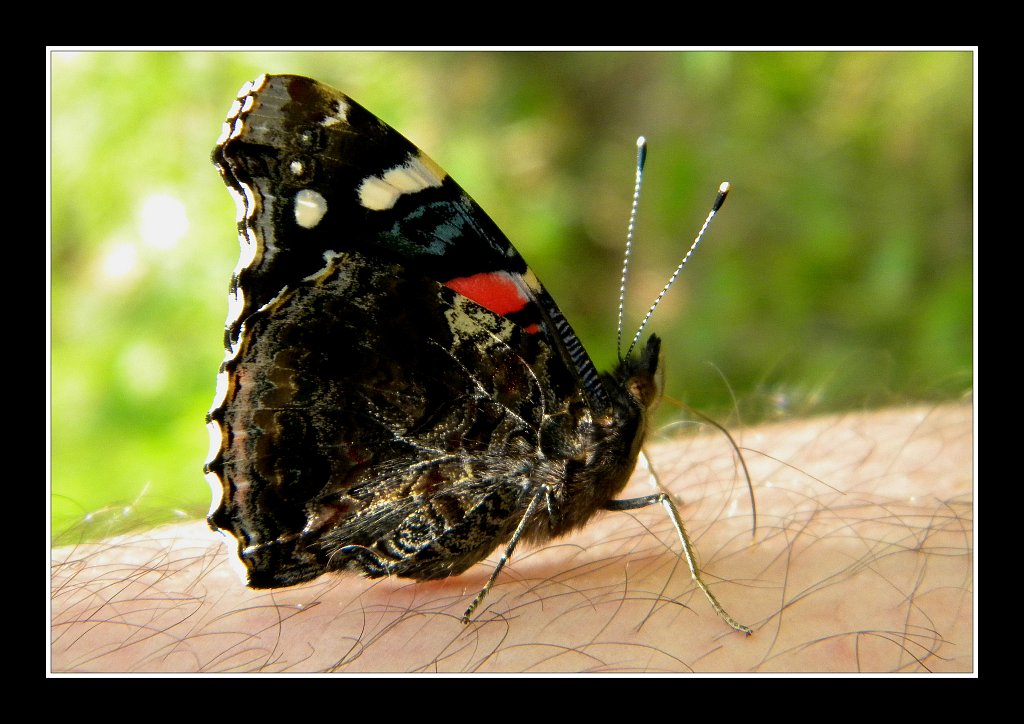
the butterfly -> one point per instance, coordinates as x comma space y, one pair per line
400, 396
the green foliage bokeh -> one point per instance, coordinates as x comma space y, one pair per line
839, 273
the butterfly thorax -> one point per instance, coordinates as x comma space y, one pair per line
604, 450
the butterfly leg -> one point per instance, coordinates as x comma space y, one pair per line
691, 559
534, 502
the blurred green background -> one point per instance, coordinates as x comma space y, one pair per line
838, 275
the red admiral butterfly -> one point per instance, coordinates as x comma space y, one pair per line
399, 395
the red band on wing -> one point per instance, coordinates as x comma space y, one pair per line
496, 291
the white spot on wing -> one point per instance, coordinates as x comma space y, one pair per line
228, 126
280, 297
216, 493
328, 268
225, 133
310, 207
259, 82
216, 439
379, 193
250, 200
246, 249
244, 90
219, 398
239, 204
340, 116
236, 302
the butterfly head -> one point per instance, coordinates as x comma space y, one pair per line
641, 374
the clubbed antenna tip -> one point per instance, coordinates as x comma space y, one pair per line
723, 191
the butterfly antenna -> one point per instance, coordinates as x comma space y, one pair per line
641, 159
723, 191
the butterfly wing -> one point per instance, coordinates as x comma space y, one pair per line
397, 385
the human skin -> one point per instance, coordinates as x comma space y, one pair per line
862, 561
